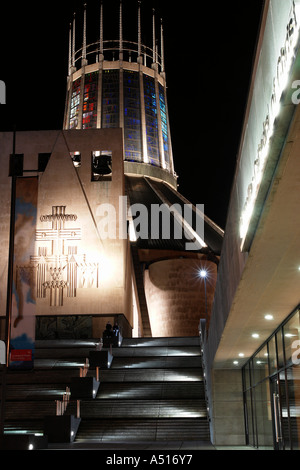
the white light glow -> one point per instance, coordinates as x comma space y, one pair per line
255, 335
269, 317
283, 68
203, 273
107, 268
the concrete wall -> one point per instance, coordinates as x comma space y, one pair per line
176, 295
266, 89
103, 284
227, 413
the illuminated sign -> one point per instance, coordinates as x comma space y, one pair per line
21, 355
280, 81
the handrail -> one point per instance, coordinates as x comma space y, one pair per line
276, 418
61, 405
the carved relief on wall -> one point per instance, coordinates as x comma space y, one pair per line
59, 269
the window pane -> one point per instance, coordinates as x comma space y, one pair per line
132, 116
151, 120
247, 382
164, 125
293, 380
260, 365
110, 98
291, 334
90, 99
263, 415
75, 102
280, 349
249, 417
272, 355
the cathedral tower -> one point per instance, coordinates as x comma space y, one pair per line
121, 83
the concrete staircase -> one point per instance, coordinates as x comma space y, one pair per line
153, 392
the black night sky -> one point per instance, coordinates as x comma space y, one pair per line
209, 48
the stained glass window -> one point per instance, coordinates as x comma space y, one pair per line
89, 113
110, 98
151, 120
164, 124
75, 102
132, 117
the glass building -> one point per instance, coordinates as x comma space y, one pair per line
271, 388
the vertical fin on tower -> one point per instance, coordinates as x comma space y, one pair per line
84, 61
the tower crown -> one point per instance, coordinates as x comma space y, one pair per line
122, 84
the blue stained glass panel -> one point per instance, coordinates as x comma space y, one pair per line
110, 98
75, 102
151, 120
132, 116
164, 124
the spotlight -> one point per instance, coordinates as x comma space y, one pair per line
269, 317
203, 273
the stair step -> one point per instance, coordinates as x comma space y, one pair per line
144, 390
151, 375
154, 391
140, 409
155, 362
48, 391
118, 430
150, 342
63, 376
29, 410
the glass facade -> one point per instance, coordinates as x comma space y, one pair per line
271, 380
151, 120
132, 117
90, 100
86, 112
75, 102
164, 125
110, 99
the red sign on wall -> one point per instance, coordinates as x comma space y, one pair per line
21, 355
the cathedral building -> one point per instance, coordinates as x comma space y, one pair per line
100, 231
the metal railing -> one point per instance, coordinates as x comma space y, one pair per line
111, 51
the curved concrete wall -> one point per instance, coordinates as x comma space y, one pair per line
176, 296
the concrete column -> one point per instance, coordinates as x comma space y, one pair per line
227, 413
99, 100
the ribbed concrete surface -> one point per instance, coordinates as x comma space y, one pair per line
153, 392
